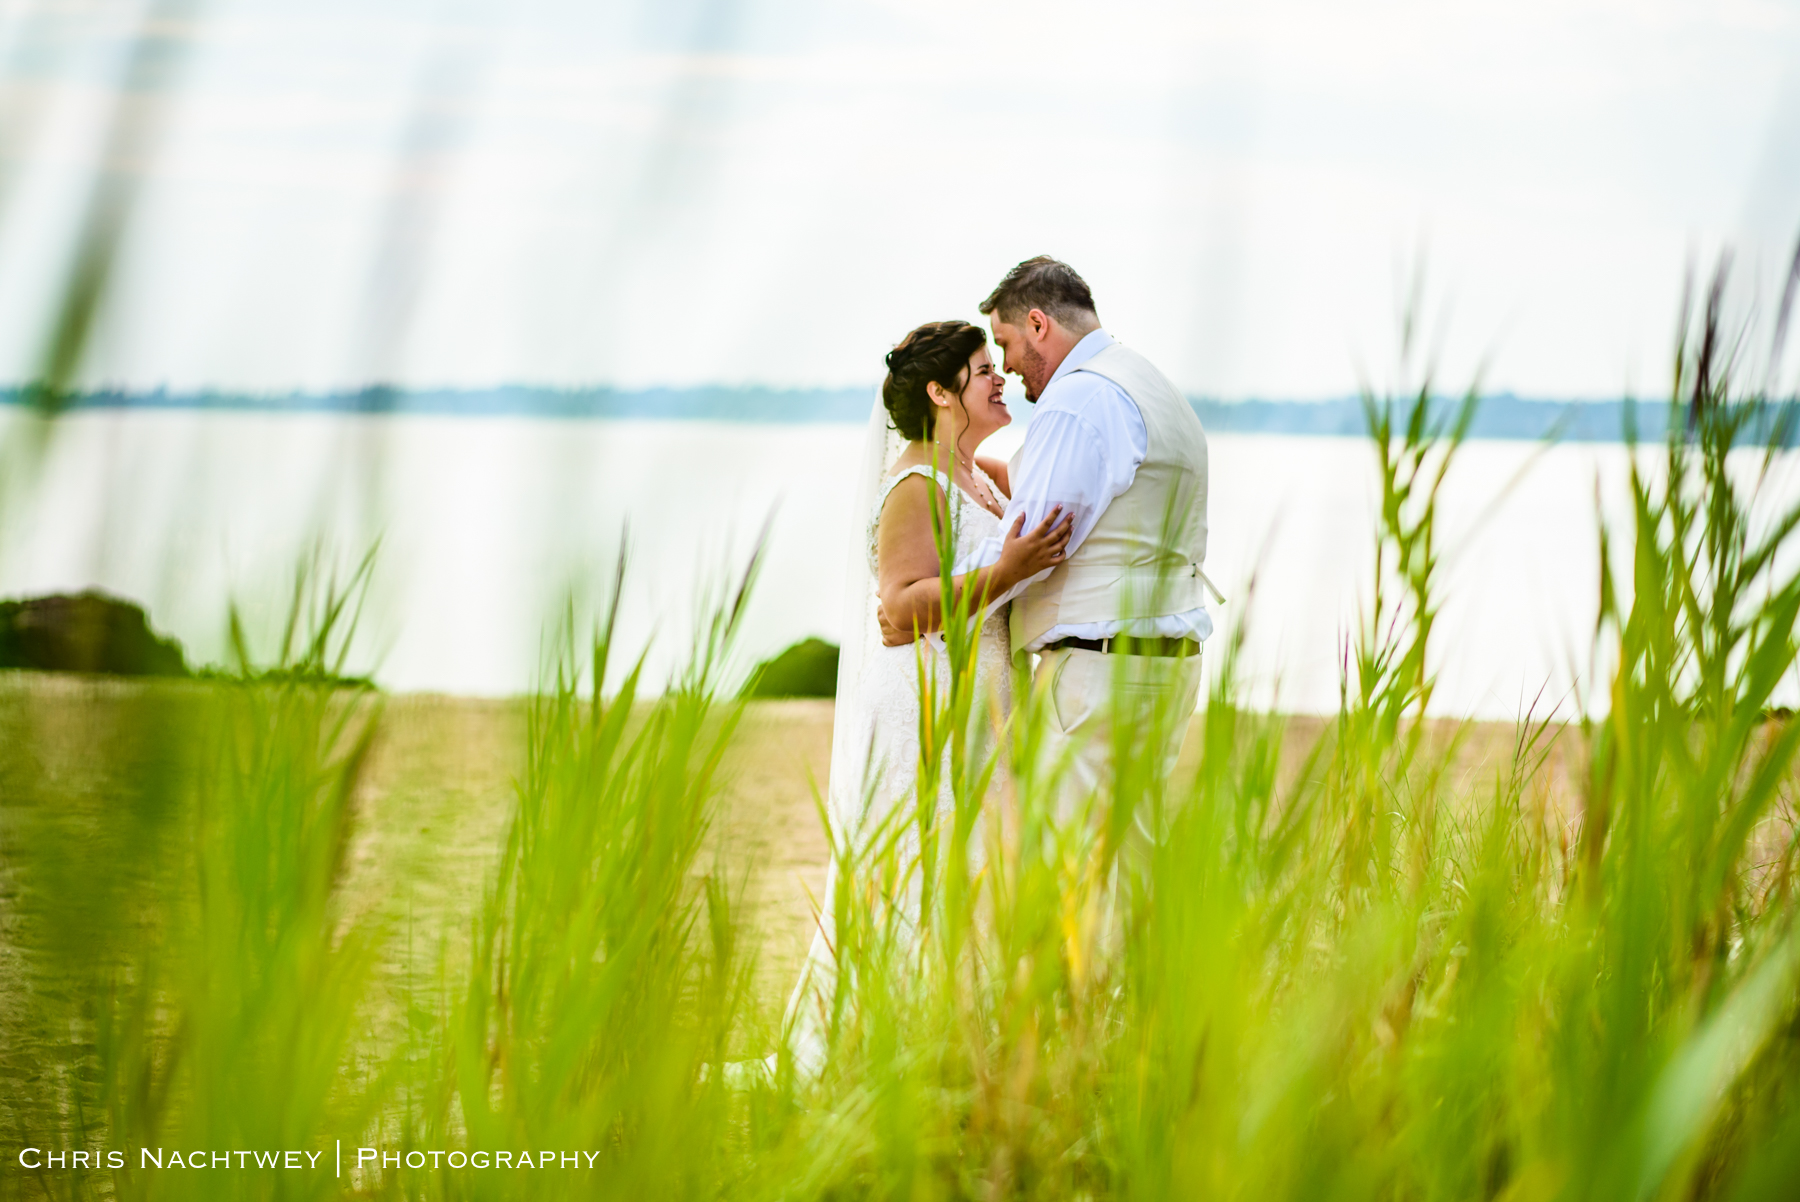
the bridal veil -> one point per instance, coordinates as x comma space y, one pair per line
882, 445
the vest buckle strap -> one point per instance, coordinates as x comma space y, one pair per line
1126, 645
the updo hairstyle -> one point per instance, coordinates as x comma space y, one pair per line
938, 352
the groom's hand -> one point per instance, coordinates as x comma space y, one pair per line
891, 635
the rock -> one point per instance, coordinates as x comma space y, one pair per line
87, 632
807, 669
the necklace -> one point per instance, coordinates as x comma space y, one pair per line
984, 495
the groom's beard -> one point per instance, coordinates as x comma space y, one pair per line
1034, 372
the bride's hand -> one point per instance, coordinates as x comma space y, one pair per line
1023, 556
891, 635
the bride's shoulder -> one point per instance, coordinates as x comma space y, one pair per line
908, 487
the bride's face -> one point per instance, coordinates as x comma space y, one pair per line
982, 397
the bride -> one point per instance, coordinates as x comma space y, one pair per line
941, 399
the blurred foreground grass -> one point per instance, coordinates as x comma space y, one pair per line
88, 761
90, 766
437, 790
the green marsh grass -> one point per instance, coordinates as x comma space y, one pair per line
193, 977
1362, 979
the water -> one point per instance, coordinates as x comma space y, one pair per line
487, 525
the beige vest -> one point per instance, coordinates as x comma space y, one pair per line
1143, 558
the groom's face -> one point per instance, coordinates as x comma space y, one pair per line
1019, 346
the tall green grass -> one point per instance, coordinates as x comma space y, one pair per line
190, 975
1361, 977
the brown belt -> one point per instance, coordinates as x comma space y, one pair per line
1126, 645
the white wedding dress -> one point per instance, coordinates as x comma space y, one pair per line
876, 742
883, 710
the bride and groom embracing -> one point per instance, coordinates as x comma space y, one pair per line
1084, 550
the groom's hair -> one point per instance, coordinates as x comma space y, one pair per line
1046, 284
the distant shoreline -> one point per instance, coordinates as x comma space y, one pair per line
1501, 416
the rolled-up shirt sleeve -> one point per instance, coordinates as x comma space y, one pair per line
1060, 463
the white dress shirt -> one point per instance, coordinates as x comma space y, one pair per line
1081, 450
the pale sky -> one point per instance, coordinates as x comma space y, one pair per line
708, 191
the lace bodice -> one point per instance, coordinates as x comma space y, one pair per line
886, 699
966, 513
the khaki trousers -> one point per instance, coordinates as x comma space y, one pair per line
1103, 704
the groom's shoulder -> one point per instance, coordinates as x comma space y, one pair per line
1117, 356
1080, 386
1130, 373
1085, 394
1085, 398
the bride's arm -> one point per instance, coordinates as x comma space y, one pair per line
909, 585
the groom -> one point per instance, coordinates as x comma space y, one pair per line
1115, 443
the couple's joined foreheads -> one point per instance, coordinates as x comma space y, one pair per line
1042, 305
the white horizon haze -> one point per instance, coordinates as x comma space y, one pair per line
716, 192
